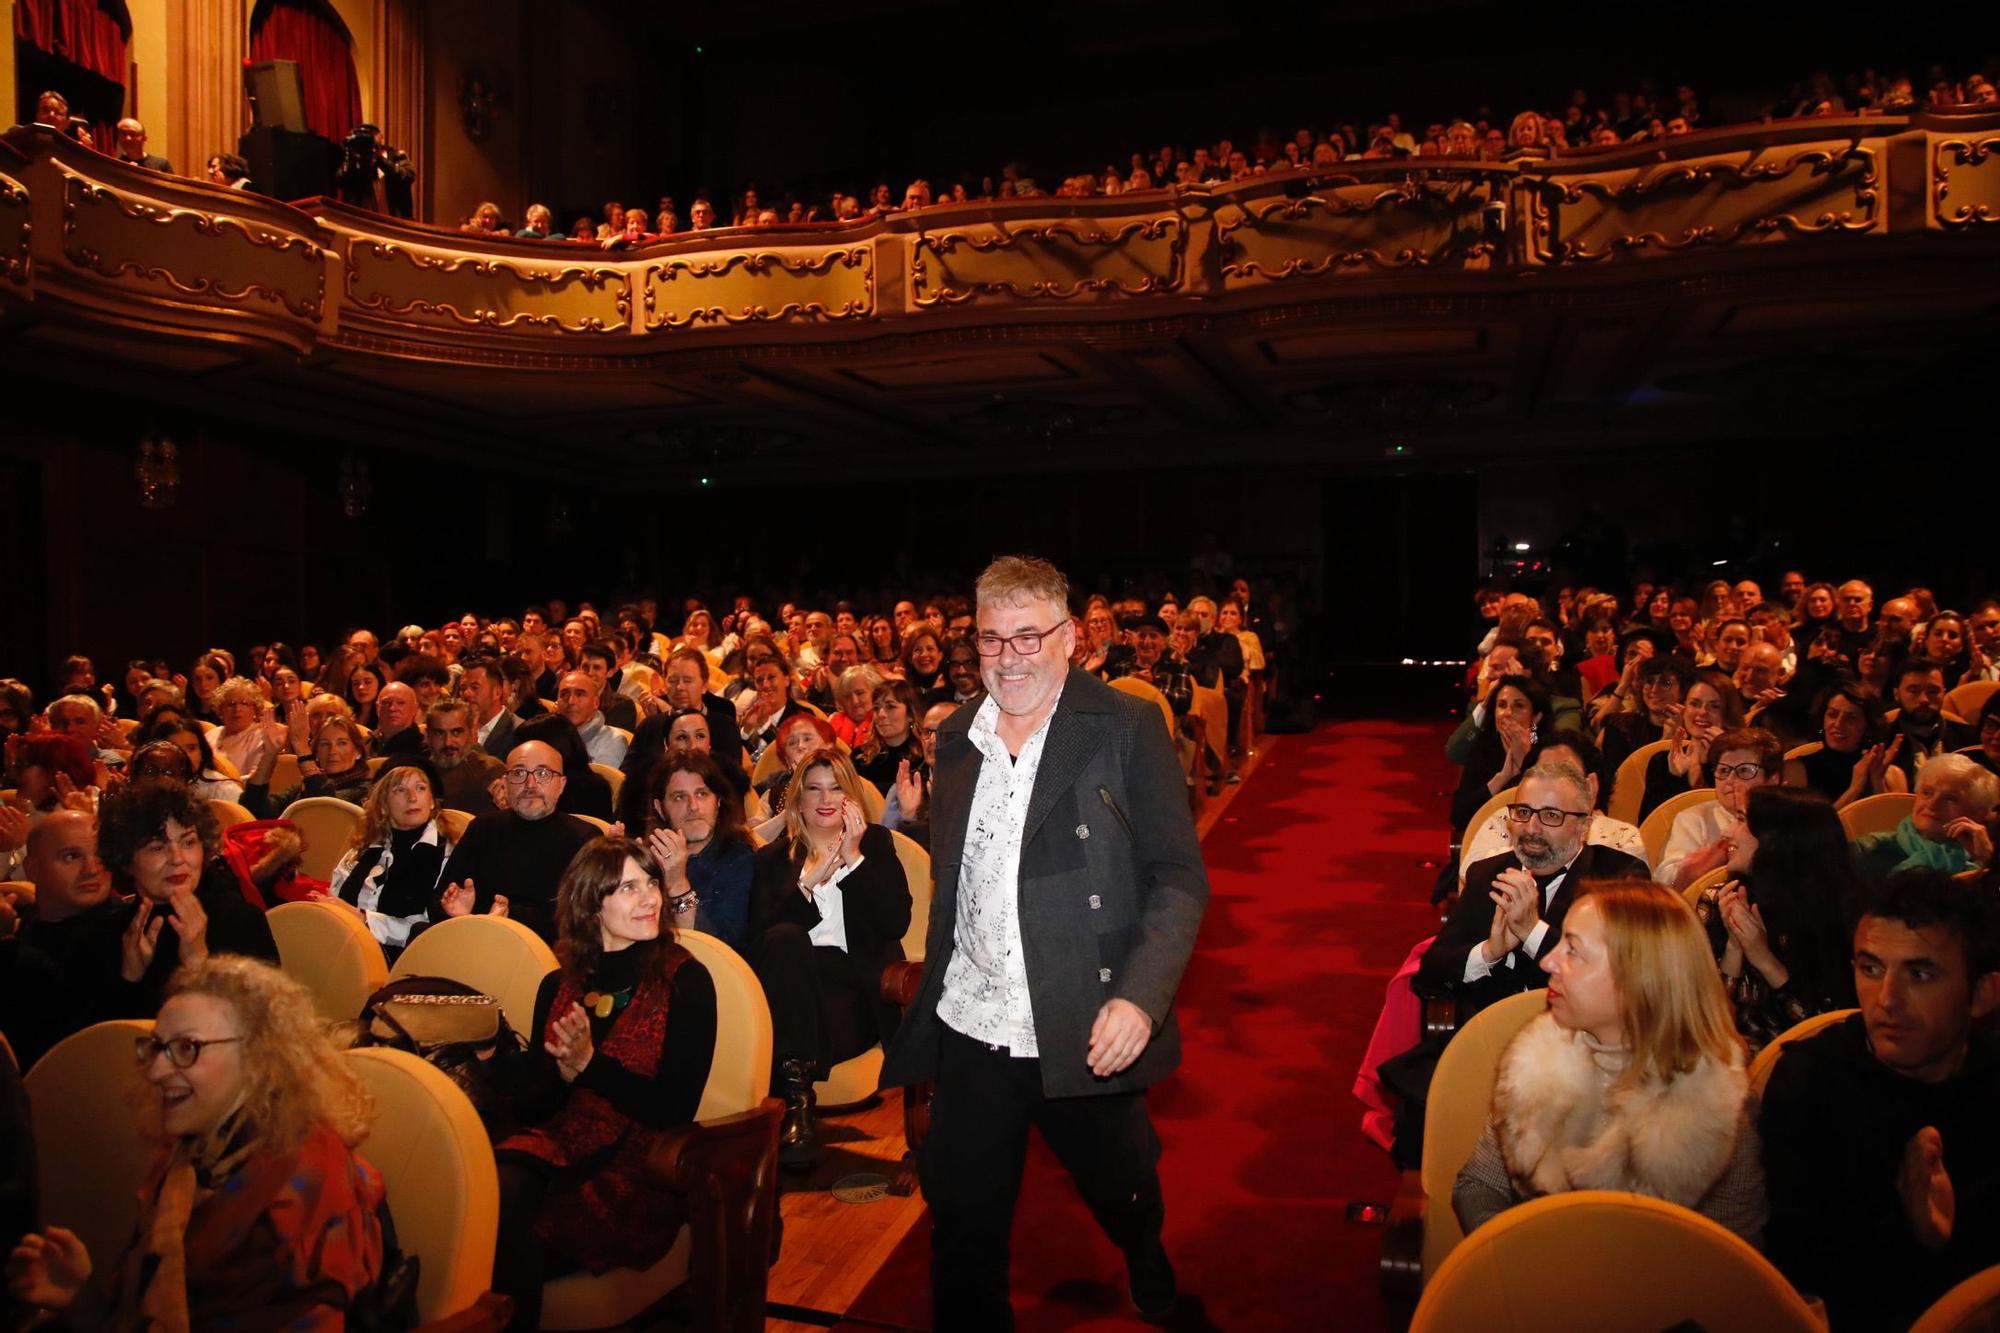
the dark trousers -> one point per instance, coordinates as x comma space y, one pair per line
819, 996
522, 1262
971, 1170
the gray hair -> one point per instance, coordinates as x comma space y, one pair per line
82, 700
1981, 787
857, 674
238, 688
1561, 770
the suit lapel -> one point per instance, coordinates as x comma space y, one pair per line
1073, 738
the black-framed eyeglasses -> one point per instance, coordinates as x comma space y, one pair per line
1027, 643
1741, 772
1549, 815
181, 1052
542, 775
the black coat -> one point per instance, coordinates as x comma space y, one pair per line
875, 906
1443, 970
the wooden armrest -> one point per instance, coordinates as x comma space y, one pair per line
900, 983
1440, 1016
728, 1168
488, 1314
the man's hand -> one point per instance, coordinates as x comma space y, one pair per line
457, 899
670, 854
1118, 1037
1929, 1201
1519, 899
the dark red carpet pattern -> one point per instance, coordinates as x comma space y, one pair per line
1318, 892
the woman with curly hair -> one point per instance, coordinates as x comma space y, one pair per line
257, 1212
627, 1032
393, 867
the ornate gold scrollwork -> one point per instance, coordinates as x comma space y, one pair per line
15, 267
1144, 229
1329, 255
523, 284
764, 268
1965, 153
1549, 194
80, 194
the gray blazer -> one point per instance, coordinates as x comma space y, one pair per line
1111, 889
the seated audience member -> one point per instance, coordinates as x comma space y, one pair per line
543, 655
576, 699
540, 224
1494, 838
47, 769
1879, 1151
364, 686
337, 766
256, 1212
1920, 721
227, 169
1944, 642
853, 715
1099, 644
1948, 828
519, 853
72, 893
961, 674
759, 713
427, 675
465, 773
1492, 744
83, 717
1230, 619
1645, 704
1987, 753
822, 683
923, 658
208, 781
798, 737
1222, 651
599, 661
584, 792
1982, 649
829, 906
243, 741
892, 741
1151, 663
1598, 668
521, 678
1779, 932
483, 686
684, 685
704, 855
1634, 1079
158, 843
908, 808
1511, 911
1712, 834
397, 734
393, 867
1710, 710
622, 1040
1760, 687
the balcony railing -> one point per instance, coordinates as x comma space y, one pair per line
84, 235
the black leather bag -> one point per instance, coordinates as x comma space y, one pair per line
459, 1030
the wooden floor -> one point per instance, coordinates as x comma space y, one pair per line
833, 1249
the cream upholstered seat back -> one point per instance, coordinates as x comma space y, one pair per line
1455, 1112
740, 1075
1659, 826
1628, 786
1973, 1306
1702, 883
1139, 689
1613, 1261
1877, 814
324, 823
329, 950
1767, 1059
917, 870
494, 955
437, 1166
85, 1097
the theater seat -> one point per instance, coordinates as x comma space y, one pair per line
1213, 706
1604, 1260
613, 777
769, 764
603, 826
1767, 1059
494, 955
1879, 813
852, 1082
331, 952
1659, 826
90, 1161
286, 774
325, 823
1973, 1306
1424, 1228
454, 823
1969, 699
437, 1166
1493, 806
726, 1163
228, 814
1628, 787
1139, 689
1703, 883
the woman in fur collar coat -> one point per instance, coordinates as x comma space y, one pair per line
1632, 1080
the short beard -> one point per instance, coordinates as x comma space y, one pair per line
1546, 863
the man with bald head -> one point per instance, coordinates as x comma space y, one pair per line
132, 148
396, 733
1900, 617
72, 904
364, 642
520, 853
577, 698
1760, 682
1853, 609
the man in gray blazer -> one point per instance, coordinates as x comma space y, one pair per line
1069, 889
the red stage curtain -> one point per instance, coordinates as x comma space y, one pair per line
313, 35
89, 33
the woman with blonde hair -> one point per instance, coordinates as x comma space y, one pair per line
828, 908
257, 1213
1633, 1079
394, 862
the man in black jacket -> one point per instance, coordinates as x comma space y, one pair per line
1880, 1154
1510, 913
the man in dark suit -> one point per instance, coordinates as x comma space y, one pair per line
1069, 891
483, 686
132, 148
1510, 914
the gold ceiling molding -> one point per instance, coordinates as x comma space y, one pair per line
396, 280
1051, 261
195, 254
17, 230
758, 287
1971, 180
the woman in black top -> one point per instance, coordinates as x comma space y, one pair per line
1498, 750
894, 736
623, 1037
828, 908
1712, 707
364, 685
923, 658
1849, 763
393, 867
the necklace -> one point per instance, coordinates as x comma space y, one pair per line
606, 1003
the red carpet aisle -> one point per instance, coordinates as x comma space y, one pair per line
1317, 896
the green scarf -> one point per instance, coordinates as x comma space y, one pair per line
1920, 853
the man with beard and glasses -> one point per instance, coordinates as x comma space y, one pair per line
520, 853
1511, 911
465, 772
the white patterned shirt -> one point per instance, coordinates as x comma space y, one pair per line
986, 983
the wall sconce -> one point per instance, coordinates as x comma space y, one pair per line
356, 487
158, 472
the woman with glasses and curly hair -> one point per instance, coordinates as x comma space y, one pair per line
626, 1032
257, 1212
